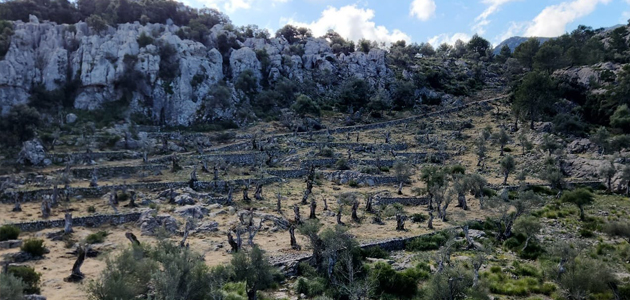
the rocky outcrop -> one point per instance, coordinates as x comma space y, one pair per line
112, 65
33, 153
585, 75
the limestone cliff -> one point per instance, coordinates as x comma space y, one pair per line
111, 64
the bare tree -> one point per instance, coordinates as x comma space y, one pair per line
430, 223
76, 274
258, 193
132, 238
187, 227
232, 243
94, 180
296, 212
17, 207
45, 207
313, 207
368, 204
294, 244
400, 222
339, 222
355, 206
67, 229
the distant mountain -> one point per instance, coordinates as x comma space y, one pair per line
514, 41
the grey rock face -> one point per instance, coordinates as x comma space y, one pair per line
150, 223
52, 55
192, 211
33, 153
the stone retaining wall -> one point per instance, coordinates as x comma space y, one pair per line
115, 171
364, 147
79, 157
219, 186
288, 173
403, 201
89, 221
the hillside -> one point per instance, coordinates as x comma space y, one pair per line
150, 150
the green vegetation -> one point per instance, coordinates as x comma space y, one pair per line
34, 247
9, 232
96, 238
30, 279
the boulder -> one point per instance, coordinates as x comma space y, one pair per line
581, 146
150, 223
71, 118
207, 227
10, 244
33, 153
192, 211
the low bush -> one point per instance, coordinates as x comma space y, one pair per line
402, 284
96, 238
29, 277
34, 247
311, 287
342, 164
91, 209
418, 218
9, 232
516, 243
375, 252
426, 243
11, 287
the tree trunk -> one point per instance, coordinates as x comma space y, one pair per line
251, 294
325, 204
182, 243
461, 198
339, 216
296, 212
430, 223
45, 209
582, 216
400, 185
505, 178
258, 194
132, 238
232, 243
400, 222
76, 274
17, 207
294, 244
313, 207
501, 150
68, 223
279, 204
245, 196
368, 205
355, 206
526, 243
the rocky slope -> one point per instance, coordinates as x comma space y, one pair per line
54, 55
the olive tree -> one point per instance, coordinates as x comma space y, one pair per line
254, 269
580, 197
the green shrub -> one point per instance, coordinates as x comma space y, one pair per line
306, 270
91, 209
426, 243
35, 247
507, 149
29, 277
384, 169
9, 232
342, 164
585, 233
399, 284
96, 238
488, 192
353, 183
375, 252
418, 218
327, 152
525, 270
11, 287
541, 190
311, 287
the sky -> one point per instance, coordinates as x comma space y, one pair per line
421, 21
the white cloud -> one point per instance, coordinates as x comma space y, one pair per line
422, 9
515, 29
553, 20
352, 23
228, 5
481, 21
449, 39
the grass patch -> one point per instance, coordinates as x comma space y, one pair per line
34, 247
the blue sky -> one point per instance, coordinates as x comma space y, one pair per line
434, 21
